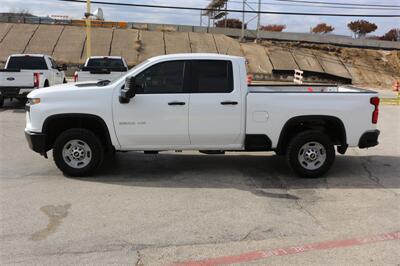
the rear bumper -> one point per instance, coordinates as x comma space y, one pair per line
11, 92
36, 141
369, 139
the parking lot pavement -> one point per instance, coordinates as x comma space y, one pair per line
161, 209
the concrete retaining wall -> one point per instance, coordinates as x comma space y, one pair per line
177, 42
16, 40
126, 44
45, 32
67, 45
152, 44
282, 60
257, 58
101, 42
202, 43
70, 45
307, 61
4, 29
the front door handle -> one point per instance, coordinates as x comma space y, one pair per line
229, 103
176, 103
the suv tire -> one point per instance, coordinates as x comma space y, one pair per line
310, 154
78, 152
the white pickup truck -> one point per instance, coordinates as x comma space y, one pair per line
198, 102
101, 68
26, 72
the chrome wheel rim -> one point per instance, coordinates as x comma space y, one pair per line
77, 153
312, 155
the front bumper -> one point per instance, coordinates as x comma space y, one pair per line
36, 141
369, 139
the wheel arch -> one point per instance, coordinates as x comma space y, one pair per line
55, 124
331, 125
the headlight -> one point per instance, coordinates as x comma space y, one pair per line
33, 101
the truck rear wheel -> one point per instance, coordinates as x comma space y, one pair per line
78, 152
310, 154
1, 101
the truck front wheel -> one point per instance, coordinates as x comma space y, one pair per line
310, 154
78, 152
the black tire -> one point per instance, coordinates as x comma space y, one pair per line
297, 157
85, 136
1, 101
46, 84
65, 81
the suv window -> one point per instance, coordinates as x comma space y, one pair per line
165, 77
26, 62
212, 76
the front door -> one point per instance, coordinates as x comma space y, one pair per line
158, 114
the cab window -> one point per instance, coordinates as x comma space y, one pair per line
212, 76
165, 77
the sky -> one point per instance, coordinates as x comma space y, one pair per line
185, 17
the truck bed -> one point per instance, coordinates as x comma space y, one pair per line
306, 89
270, 107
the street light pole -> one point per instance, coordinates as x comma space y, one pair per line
88, 30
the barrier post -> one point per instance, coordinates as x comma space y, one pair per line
298, 76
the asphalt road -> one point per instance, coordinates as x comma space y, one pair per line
160, 209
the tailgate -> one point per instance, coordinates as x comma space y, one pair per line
98, 75
20, 79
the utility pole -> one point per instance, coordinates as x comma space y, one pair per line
243, 8
88, 30
226, 13
258, 21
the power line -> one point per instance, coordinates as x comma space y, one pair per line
328, 3
235, 10
319, 6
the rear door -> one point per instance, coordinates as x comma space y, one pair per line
157, 117
215, 109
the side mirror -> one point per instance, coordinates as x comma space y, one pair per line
129, 90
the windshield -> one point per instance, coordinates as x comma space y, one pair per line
26, 62
130, 71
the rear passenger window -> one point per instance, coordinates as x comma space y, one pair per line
212, 76
166, 77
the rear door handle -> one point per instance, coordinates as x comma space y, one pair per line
176, 103
229, 103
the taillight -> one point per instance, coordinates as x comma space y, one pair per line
375, 102
76, 77
249, 79
36, 80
